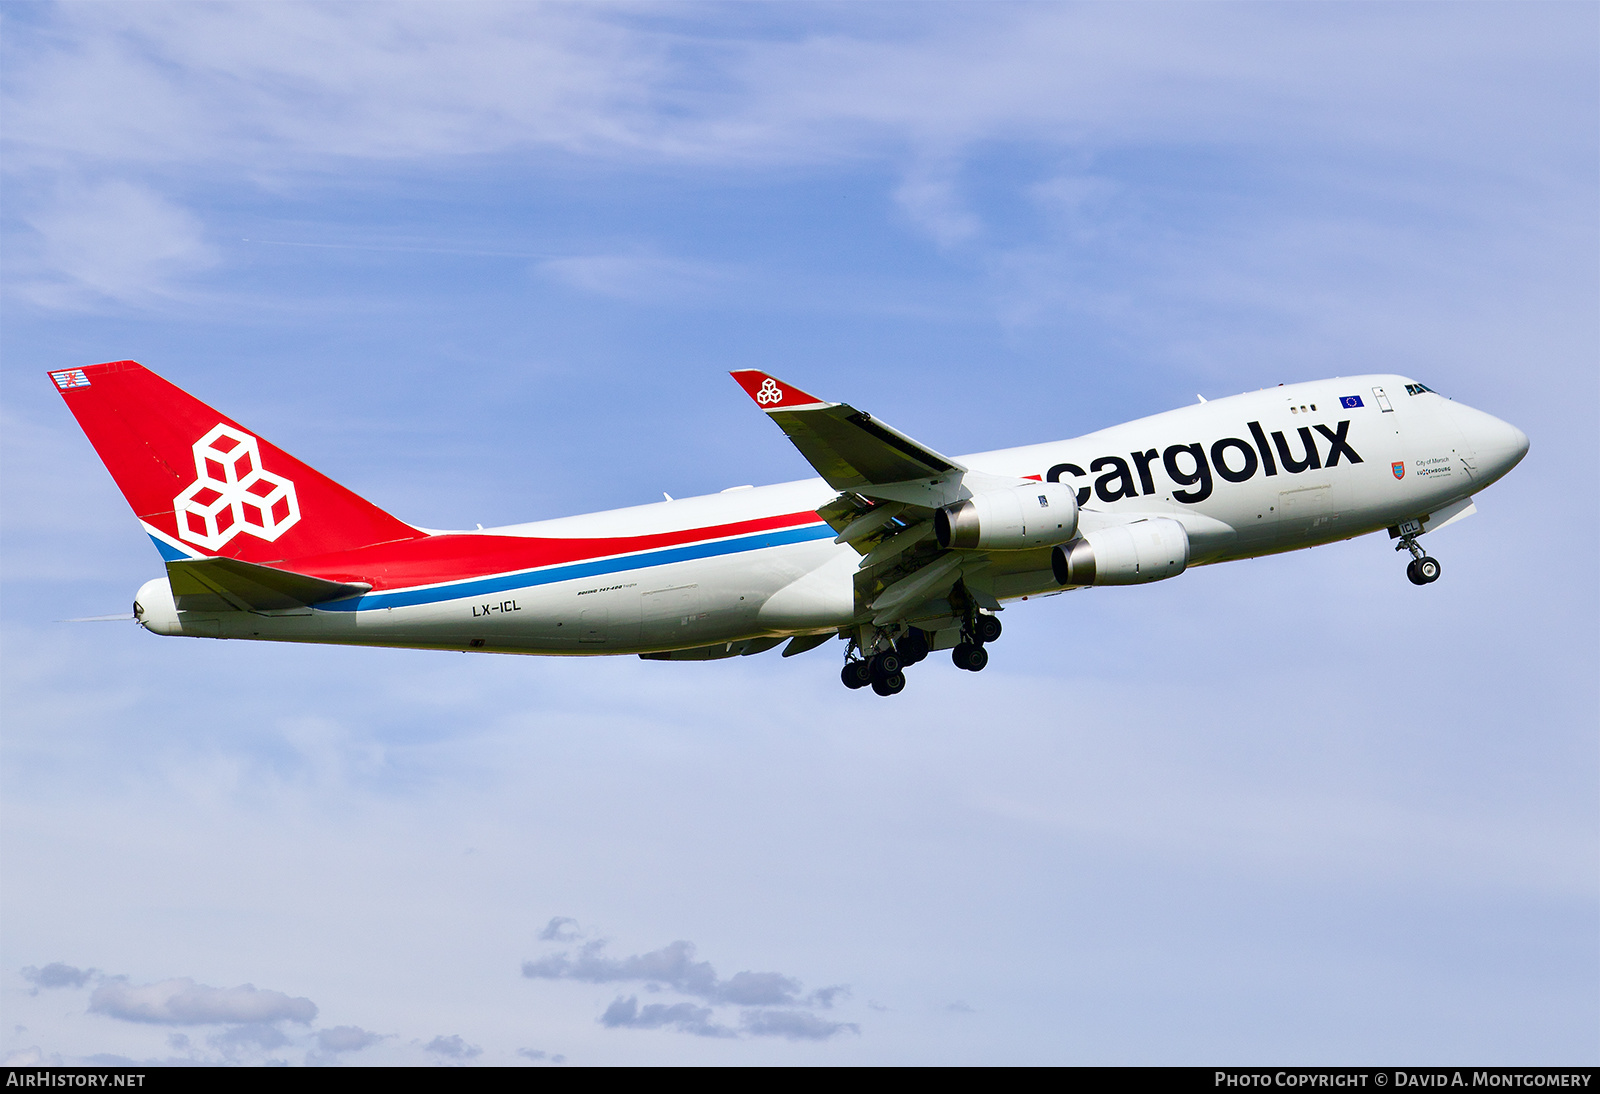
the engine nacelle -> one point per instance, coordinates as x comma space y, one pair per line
1041, 514
1129, 554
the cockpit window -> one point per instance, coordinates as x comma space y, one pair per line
1418, 389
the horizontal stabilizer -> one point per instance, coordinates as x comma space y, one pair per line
226, 584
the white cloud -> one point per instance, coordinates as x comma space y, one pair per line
930, 199
453, 1047
683, 1017
346, 1039
673, 966
183, 1002
166, 83
168, 94
796, 1025
561, 928
217, 83
638, 278
112, 242
57, 975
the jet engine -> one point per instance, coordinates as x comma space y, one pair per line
1129, 554
1040, 514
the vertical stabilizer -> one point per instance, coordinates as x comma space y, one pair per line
202, 484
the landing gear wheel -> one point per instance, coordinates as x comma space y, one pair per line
1421, 570
884, 665
987, 629
855, 675
912, 647
890, 684
970, 656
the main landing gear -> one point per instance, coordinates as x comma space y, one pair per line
884, 669
1421, 570
970, 654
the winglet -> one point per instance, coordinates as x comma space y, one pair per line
771, 393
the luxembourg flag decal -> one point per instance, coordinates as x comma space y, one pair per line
1399, 469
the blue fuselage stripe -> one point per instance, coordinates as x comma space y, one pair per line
168, 552
501, 583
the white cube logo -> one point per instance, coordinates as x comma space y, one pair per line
233, 493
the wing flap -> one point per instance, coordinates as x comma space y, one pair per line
226, 584
801, 643
870, 522
931, 581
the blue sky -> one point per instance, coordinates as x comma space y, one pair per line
492, 264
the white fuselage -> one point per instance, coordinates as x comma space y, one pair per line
1423, 454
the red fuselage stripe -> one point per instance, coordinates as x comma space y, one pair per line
457, 557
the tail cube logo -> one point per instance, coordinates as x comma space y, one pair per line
769, 392
232, 493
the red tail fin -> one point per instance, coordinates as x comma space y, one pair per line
204, 485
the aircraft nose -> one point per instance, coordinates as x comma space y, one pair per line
1500, 445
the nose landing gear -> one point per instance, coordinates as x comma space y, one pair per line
1421, 570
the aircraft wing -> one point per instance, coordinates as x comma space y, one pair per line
889, 486
226, 584
850, 449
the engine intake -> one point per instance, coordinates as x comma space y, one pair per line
1129, 554
1022, 517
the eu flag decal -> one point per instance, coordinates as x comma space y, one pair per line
1350, 402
